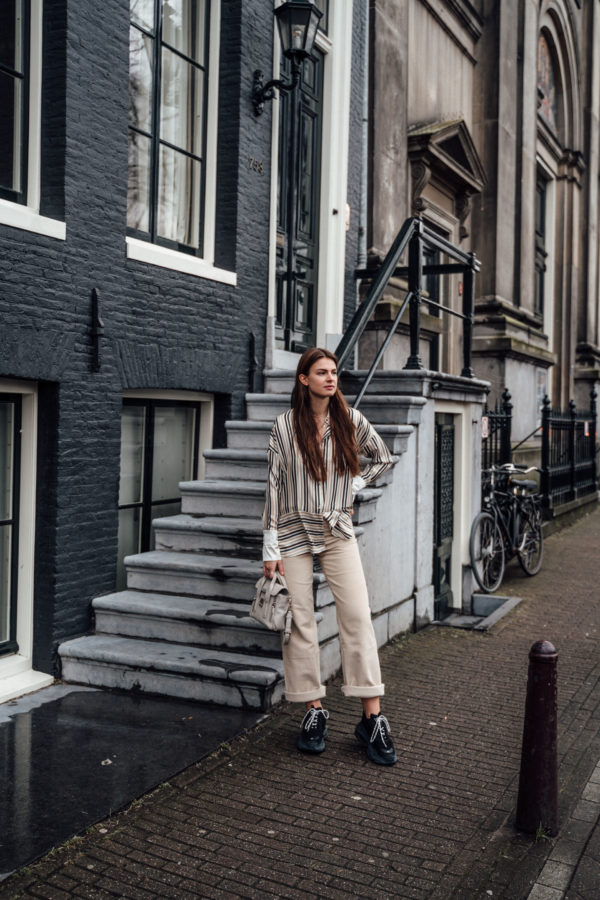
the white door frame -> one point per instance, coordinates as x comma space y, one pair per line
337, 49
17, 675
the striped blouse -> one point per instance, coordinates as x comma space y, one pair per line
296, 506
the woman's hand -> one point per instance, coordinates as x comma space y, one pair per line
270, 566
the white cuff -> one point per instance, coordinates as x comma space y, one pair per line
358, 483
271, 550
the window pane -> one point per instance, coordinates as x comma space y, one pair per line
138, 182
173, 450
11, 30
10, 132
129, 540
181, 103
178, 214
5, 567
7, 418
133, 431
140, 79
183, 26
142, 12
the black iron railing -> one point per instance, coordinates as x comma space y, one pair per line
415, 236
569, 466
496, 427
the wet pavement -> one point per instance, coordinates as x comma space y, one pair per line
71, 755
260, 820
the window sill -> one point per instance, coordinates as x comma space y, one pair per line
155, 255
17, 216
18, 678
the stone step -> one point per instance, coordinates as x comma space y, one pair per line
203, 575
248, 435
175, 670
236, 464
213, 534
223, 498
380, 409
255, 435
279, 381
183, 620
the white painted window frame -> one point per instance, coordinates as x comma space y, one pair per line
17, 675
206, 419
337, 48
27, 216
164, 257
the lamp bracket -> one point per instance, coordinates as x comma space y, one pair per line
262, 92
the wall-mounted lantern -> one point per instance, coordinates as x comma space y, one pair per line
298, 21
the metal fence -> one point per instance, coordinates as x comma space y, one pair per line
569, 468
496, 431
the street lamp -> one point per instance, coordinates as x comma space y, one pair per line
297, 21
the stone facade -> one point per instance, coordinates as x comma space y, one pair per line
517, 182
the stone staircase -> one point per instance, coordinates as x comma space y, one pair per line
181, 628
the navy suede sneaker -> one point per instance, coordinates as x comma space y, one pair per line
313, 730
375, 733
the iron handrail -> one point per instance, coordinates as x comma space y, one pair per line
414, 235
374, 294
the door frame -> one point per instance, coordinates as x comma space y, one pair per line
17, 675
463, 415
337, 50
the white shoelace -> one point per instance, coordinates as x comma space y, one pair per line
312, 716
382, 727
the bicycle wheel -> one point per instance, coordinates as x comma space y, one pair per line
487, 552
530, 548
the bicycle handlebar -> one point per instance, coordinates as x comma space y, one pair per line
513, 469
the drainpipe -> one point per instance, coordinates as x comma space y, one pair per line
361, 261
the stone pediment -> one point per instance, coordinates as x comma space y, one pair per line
445, 150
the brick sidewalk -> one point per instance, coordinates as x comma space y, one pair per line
258, 819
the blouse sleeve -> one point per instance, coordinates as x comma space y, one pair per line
271, 511
370, 445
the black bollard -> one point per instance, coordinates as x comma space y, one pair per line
537, 804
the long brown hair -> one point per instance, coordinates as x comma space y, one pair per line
345, 453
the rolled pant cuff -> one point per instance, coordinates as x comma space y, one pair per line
371, 690
306, 696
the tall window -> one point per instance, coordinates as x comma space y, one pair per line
160, 442
10, 431
14, 16
168, 83
540, 244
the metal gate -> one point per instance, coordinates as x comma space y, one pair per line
443, 514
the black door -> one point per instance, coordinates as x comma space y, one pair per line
298, 207
443, 514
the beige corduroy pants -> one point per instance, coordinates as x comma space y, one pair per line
343, 570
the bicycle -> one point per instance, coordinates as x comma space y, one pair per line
509, 524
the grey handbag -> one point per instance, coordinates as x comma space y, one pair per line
272, 605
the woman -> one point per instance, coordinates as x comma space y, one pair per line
314, 474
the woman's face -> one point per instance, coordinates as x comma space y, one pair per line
322, 378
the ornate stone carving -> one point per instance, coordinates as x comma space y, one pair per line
420, 179
462, 206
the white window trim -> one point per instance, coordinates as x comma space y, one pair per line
164, 257
17, 675
337, 47
18, 215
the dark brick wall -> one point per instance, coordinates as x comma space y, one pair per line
163, 329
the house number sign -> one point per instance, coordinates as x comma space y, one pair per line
256, 165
